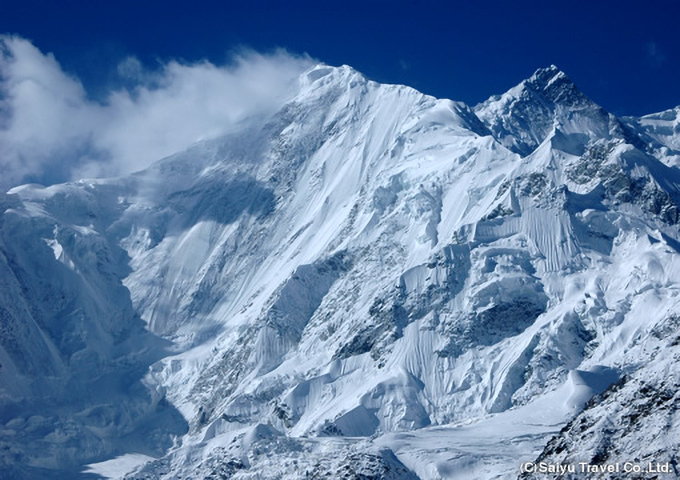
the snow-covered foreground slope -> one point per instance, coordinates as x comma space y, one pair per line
371, 283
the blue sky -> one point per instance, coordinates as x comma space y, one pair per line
95, 88
623, 54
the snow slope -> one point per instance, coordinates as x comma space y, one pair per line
661, 132
370, 283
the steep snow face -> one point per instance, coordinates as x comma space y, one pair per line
662, 133
664, 127
73, 351
370, 281
644, 404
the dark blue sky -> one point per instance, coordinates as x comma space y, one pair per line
623, 54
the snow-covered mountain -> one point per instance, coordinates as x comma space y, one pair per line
370, 283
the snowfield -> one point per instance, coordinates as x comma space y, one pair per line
371, 283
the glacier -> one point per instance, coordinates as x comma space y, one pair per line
368, 283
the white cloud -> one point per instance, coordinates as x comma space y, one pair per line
50, 131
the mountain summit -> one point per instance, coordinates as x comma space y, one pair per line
371, 283
525, 115
555, 86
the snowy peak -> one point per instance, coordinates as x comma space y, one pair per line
322, 74
345, 92
553, 85
524, 116
550, 72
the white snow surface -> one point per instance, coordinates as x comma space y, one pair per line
370, 282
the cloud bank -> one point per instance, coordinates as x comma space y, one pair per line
50, 131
